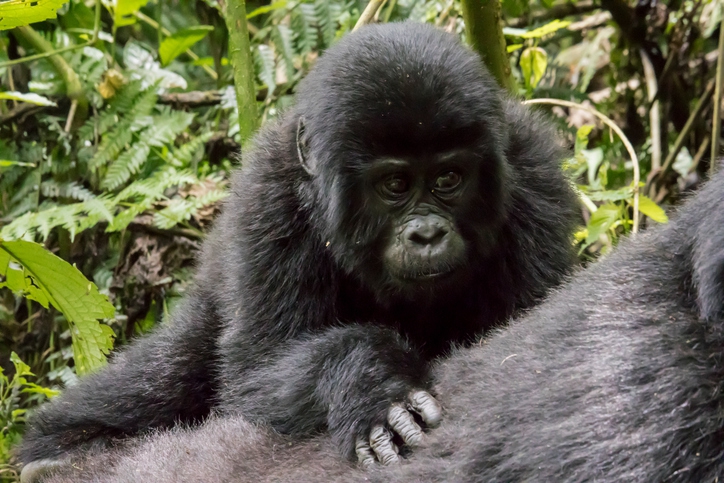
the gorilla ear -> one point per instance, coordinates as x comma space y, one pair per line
709, 276
303, 148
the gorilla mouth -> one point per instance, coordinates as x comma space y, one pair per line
428, 276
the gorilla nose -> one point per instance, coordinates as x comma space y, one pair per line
427, 232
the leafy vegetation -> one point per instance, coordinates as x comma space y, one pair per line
119, 126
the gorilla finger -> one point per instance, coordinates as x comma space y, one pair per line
365, 455
403, 423
384, 448
427, 407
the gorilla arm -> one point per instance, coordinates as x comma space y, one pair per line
344, 379
156, 382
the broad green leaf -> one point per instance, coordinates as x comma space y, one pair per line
514, 47
6, 163
266, 9
16, 13
21, 368
29, 268
546, 29
582, 137
31, 388
601, 221
29, 97
124, 9
608, 195
648, 207
533, 63
181, 41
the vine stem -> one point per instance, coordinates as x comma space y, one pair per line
368, 13
608, 122
716, 121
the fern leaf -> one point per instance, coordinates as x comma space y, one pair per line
282, 37
327, 24
304, 26
127, 164
184, 154
73, 190
180, 210
112, 144
265, 67
166, 128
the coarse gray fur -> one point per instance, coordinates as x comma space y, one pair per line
617, 377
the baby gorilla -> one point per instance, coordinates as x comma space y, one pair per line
616, 377
402, 206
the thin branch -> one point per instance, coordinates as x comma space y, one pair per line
631, 152
716, 124
191, 234
191, 99
700, 153
71, 114
368, 13
21, 110
654, 112
679, 143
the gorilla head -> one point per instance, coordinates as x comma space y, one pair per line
409, 160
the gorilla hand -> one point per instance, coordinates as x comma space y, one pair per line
379, 446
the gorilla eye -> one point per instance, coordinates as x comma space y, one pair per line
395, 185
447, 182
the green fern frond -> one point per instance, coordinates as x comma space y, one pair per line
73, 190
281, 35
154, 186
125, 217
126, 165
143, 104
184, 154
121, 103
265, 67
327, 25
127, 96
165, 128
304, 23
180, 210
74, 217
112, 144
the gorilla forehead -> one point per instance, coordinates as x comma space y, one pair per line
407, 87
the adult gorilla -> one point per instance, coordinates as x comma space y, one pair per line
402, 206
616, 377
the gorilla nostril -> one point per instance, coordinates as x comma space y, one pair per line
427, 235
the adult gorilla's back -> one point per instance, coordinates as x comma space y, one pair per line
618, 376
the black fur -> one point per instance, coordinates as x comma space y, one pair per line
292, 320
618, 376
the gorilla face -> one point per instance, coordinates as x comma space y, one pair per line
422, 244
413, 220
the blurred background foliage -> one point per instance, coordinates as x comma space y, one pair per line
115, 152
